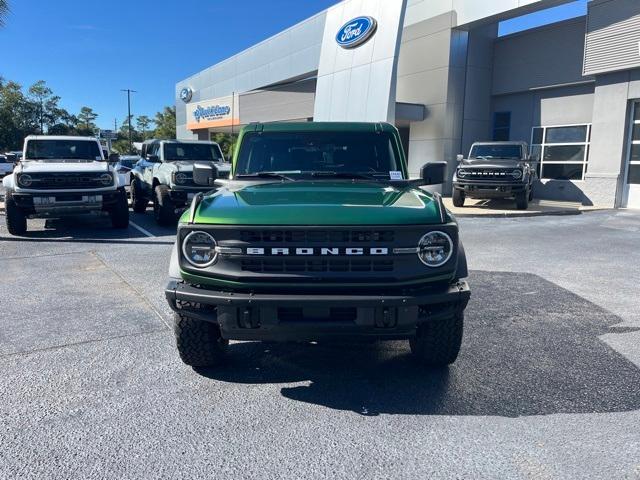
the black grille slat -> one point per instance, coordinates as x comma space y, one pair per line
308, 237
488, 174
294, 265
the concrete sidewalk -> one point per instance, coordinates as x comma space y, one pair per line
507, 208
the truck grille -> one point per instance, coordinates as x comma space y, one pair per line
64, 181
296, 265
493, 174
307, 237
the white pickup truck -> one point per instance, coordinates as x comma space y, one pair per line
59, 176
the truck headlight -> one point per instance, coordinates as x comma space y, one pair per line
517, 173
180, 178
25, 180
199, 249
106, 179
461, 173
435, 249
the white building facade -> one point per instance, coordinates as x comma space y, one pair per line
438, 70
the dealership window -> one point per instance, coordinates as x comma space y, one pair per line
562, 151
501, 126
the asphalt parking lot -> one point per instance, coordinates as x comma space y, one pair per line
547, 384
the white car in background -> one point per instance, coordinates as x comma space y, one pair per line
6, 165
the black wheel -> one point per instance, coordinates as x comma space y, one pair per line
199, 343
138, 200
437, 343
458, 198
164, 210
15, 217
522, 200
120, 211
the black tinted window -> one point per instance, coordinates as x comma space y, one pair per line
339, 152
63, 149
191, 152
496, 151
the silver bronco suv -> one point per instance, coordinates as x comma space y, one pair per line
60, 176
164, 175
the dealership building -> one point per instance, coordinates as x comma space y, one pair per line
438, 70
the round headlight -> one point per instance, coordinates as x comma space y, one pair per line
462, 173
516, 174
435, 249
199, 249
181, 178
106, 179
25, 180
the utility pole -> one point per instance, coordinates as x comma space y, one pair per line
129, 92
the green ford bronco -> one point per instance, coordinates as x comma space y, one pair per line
318, 235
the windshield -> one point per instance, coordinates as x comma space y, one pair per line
128, 162
510, 152
329, 153
63, 150
192, 152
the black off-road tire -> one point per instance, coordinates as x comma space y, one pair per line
120, 211
522, 200
138, 200
199, 343
164, 210
437, 343
458, 198
15, 217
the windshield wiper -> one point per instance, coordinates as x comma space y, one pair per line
348, 175
265, 175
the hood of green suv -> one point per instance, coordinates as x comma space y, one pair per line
318, 203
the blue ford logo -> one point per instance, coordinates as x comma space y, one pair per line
186, 94
356, 32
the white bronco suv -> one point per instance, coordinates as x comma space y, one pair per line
59, 176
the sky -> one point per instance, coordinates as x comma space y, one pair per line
87, 50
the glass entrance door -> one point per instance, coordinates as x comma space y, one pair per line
631, 198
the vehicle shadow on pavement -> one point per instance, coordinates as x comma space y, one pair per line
83, 229
530, 348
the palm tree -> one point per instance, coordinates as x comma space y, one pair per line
4, 9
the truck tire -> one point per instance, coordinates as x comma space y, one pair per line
522, 200
437, 343
199, 343
120, 212
164, 210
138, 201
458, 198
15, 217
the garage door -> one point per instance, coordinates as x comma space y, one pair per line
632, 175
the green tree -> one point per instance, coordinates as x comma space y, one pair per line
18, 116
227, 143
86, 119
166, 124
46, 103
4, 10
143, 123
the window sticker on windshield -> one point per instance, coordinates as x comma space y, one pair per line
395, 175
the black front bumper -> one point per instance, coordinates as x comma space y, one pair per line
304, 317
490, 189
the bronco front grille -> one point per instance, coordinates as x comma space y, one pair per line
64, 181
296, 265
486, 174
307, 237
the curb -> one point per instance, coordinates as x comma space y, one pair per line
557, 213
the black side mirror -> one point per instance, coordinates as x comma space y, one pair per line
433, 173
114, 158
153, 158
204, 174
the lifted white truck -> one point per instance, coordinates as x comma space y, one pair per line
59, 176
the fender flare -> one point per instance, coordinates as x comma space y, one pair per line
462, 270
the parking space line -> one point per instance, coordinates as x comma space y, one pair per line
142, 230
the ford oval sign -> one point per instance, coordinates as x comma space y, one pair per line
356, 32
186, 94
